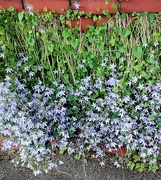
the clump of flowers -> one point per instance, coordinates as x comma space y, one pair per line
100, 109
31, 119
109, 99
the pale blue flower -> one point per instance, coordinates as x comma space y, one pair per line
112, 67
141, 86
2, 55
31, 74
42, 31
77, 5
145, 44
8, 70
156, 43
3, 47
26, 68
29, 7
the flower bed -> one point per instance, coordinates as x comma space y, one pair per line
57, 81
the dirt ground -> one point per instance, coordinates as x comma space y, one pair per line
87, 168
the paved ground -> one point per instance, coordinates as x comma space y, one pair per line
84, 169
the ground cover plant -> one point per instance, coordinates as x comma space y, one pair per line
84, 90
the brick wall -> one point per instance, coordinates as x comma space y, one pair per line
93, 6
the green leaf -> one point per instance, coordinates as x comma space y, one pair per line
123, 49
106, 1
20, 15
51, 47
76, 110
131, 165
153, 116
112, 24
156, 68
62, 150
138, 67
34, 68
159, 125
126, 32
66, 78
46, 65
31, 61
143, 74
78, 116
45, 9
69, 86
77, 157
11, 9
69, 111
2, 31
137, 51
70, 97
151, 60
112, 41
114, 6
146, 104
115, 89
74, 43
136, 158
71, 133
67, 33
105, 12
153, 168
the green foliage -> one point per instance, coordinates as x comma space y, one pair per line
134, 162
67, 55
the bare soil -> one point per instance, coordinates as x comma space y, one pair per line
88, 168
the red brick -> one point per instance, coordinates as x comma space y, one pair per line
104, 19
82, 22
60, 6
120, 151
7, 3
140, 6
91, 6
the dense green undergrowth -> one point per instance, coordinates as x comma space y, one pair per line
57, 81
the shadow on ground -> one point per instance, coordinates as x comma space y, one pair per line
85, 169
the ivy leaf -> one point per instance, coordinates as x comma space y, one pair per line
115, 89
106, 1
123, 49
159, 125
114, 6
137, 51
67, 33
153, 116
143, 74
20, 15
74, 43
105, 12
112, 41
126, 31
51, 47
77, 157
69, 111
34, 68
66, 78
138, 67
